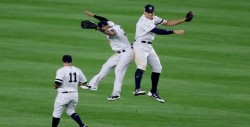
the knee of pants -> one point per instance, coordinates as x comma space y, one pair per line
70, 111
57, 115
118, 70
157, 69
141, 63
142, 66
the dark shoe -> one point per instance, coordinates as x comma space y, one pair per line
155, 96
139, 92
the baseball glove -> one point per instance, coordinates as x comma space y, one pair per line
87, 24
189, 16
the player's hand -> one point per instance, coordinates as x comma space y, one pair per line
86, 12
56, 86
179, 32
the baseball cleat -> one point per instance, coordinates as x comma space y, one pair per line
113, 97
139, 92
87, 87
84, 126
155, 96
93, 89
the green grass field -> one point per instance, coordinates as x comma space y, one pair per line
205, 78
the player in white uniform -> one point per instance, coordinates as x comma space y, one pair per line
120, 60
146, 28
66, 82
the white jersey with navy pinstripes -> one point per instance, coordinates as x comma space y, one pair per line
120, 40
144, 26
70, 77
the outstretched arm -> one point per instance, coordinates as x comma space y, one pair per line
166, 32
162, 31
173, 22
90, 14
189, 16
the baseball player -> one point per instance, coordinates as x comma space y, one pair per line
123, 55
146, 28
66, 82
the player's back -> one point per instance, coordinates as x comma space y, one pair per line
70, 77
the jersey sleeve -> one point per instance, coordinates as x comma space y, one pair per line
110, 23
158, 20
82, 78
59, 76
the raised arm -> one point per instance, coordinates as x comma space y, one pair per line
166, 32
90, 14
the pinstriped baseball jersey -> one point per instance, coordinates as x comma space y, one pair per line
70, 77
144, 26
120, 40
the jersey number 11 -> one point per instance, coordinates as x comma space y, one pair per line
72, 76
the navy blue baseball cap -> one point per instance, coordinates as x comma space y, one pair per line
67, 59
102, 23
149, 8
